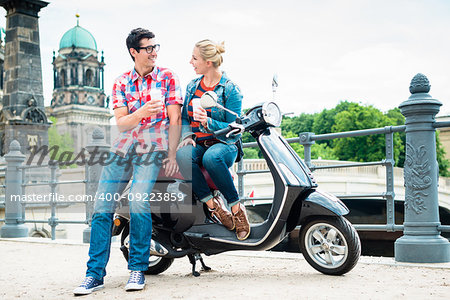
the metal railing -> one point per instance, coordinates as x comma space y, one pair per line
307, 139
15, 176
53, 221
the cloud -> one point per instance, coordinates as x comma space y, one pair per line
323, 51
235, 18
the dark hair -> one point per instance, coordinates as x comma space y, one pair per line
135, 37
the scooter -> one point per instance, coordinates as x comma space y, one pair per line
328, 242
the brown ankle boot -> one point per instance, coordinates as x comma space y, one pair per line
241, 223
221, 214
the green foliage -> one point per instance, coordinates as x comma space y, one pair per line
64, 143
349, 116
251, 153
318, 151
322, 151
325, 120
296, 146
297, 125
364, 148
444, 164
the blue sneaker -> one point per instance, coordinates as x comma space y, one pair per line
136, 281
89, 285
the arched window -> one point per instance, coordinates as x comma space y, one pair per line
62, 78
89, 77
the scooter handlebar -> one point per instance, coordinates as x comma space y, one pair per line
223, 131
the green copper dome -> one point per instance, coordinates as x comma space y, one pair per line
78, 37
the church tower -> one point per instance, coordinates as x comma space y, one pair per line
79, 102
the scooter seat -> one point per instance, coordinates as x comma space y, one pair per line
208, 178
162, 175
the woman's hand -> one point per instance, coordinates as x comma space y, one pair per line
186, 142
201, 116
170, 166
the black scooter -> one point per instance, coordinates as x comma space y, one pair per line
329, 243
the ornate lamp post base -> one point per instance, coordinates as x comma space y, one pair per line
422, 249
14, 231
422, 241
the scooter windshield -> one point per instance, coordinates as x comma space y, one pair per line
285, 158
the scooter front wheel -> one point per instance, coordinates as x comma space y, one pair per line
330, 245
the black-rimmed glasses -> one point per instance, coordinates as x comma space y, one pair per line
149, 49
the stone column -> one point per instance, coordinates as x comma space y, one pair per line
22, 114
421, 241
13, 228
23, 72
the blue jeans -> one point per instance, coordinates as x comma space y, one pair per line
113, 181
217, 160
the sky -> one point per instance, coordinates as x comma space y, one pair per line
323, 51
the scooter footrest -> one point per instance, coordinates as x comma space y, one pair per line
197, 235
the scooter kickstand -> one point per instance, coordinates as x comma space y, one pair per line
204, 267
193, 260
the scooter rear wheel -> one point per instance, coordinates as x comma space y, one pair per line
156, 264
330, 245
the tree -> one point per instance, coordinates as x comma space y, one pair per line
364, 148
325, 120
297, 125
318, 151
444, 164
349, 116
64, 143
250, 153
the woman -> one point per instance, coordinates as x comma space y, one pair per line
200, 148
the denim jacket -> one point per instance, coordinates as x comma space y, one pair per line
219, 118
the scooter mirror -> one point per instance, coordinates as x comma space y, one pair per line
208, 99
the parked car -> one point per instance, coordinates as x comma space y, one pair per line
362, 211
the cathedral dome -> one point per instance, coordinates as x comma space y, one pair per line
78, 37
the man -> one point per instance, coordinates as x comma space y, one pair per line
147, 107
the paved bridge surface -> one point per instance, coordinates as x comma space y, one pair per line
37, 268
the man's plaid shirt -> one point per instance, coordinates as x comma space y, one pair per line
132, 91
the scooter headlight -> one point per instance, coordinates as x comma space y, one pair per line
271, 114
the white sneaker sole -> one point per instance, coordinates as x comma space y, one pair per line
83, 291
134, 287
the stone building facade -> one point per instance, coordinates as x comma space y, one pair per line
78, 101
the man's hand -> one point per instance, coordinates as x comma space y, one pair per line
153, 107
126, 121
174, 114
170, 166
186, 142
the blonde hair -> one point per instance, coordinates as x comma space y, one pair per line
211, 51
